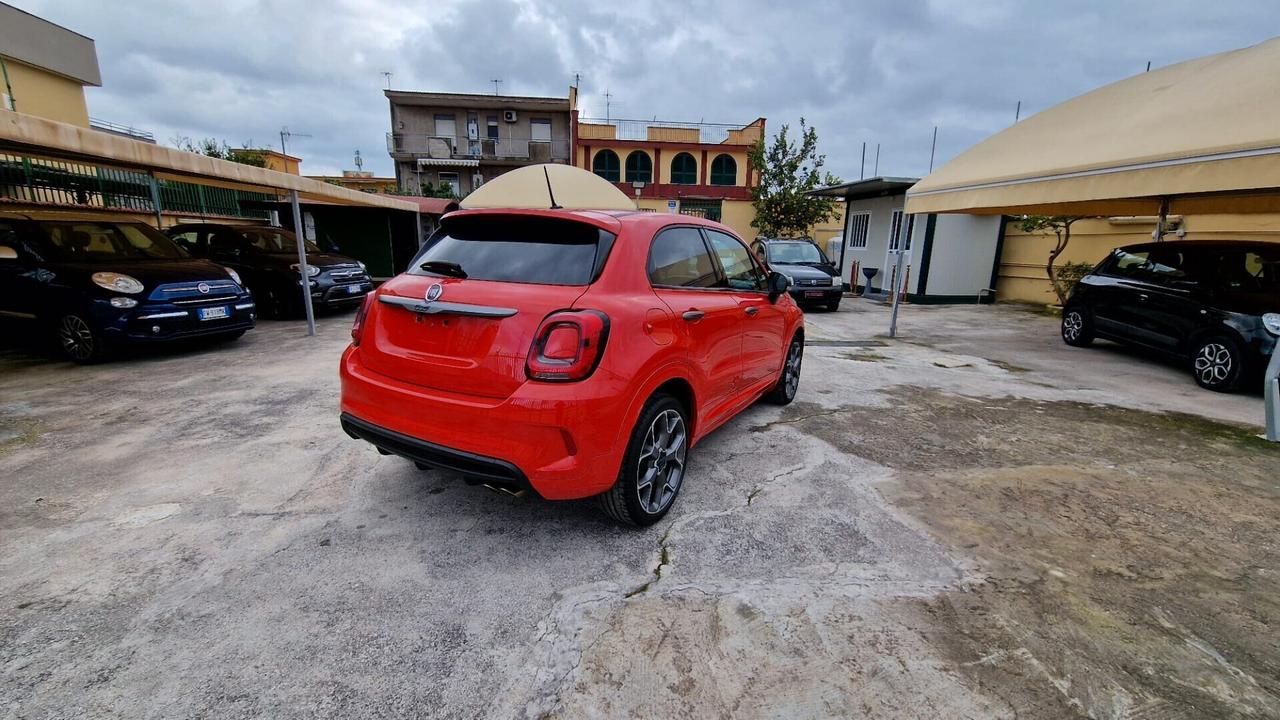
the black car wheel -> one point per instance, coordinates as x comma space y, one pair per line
833, 305
653, 467
1217, 363
1077, 327
79, 340
789, 381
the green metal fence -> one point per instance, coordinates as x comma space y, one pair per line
60, 182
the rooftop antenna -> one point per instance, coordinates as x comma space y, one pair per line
387, 74
933, 148
1017, 113
577, 79
1148, 66
359, 161
285, 135
496, 82
554, 204
876, 172
862, 170
608, 96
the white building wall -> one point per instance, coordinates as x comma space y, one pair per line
874, 254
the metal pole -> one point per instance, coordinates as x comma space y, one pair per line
1162, 220
155, 199
897, 283
933, 148
862, 169
1272, 391
304, 278
417, 224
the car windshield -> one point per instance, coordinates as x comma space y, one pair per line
521, 249
275, 240
98, 241
795, 253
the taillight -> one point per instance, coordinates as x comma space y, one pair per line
568, 346
357, 327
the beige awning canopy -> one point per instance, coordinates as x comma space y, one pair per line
534, 186
1203, 135
48, 139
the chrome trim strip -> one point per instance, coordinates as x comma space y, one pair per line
447, 308
156, 316
245, 306
12, 313
217, 285
204, 300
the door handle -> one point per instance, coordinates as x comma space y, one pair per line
751, 310
1142, 297
693, 315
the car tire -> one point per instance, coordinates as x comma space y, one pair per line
653, 467
1077, 327
1217, 363
784, 391
833, 305
78, 339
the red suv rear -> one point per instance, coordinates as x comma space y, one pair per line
571, 353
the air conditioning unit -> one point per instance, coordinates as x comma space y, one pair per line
509, 115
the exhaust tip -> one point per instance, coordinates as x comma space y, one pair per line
504, 490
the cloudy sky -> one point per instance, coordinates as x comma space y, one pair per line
870, 71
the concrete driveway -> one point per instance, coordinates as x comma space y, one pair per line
971, 521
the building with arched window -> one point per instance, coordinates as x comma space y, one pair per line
692, 168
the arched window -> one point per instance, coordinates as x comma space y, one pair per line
724, 170
606, 165
639, 167
684, 169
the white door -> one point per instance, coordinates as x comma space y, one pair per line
900, 229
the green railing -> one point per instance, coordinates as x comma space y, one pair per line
60, 182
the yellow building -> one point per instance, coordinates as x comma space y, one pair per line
692, 168
1023, 255
278, 161
362, 180
44, 68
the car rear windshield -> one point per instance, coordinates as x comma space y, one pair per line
93, 241
275, 241
519, 249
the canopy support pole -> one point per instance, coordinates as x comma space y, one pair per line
1162, 221
155, 200
1272, 391
304, 280
899, 285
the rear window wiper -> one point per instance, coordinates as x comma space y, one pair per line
440, 267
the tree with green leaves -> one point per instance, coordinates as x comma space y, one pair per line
787, 172
215, 148
1060, 226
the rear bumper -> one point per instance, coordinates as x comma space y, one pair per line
470, 464
558, 443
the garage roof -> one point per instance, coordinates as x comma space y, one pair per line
871, 187
45, 138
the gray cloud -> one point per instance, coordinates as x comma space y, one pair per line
873, 71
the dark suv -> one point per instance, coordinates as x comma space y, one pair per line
267, 259
98, 284
813, 279
1201, 301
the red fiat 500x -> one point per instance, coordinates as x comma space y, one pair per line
571, 353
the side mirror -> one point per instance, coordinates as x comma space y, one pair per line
8, 253
1271, 321
777, 284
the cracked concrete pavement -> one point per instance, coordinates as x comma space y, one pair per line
921, 534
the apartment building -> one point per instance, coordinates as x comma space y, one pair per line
462, 140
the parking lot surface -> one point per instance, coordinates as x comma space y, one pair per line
971, 520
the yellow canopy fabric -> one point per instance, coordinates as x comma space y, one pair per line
526, 187
1203, 134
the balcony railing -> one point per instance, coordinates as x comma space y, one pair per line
123, 130
640, 129
447, 147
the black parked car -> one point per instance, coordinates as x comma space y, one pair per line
813, 279
98, 284
267, 259
1201, 301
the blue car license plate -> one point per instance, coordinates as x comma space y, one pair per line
353, 289
214, 313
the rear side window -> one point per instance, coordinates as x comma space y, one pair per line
1250, 271
679, 258
519, 249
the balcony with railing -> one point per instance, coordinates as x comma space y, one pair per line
670, 131
448, 147
128, 131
